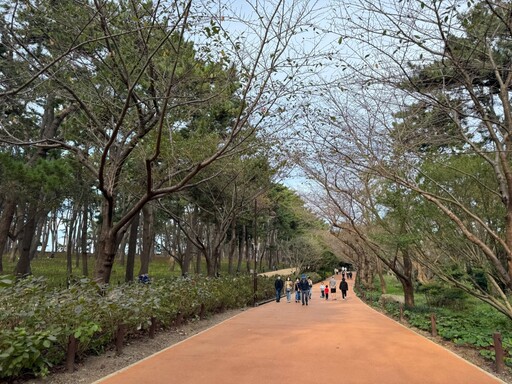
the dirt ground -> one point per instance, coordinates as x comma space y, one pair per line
96, 367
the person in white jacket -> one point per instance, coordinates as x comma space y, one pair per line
322, 289
332, 286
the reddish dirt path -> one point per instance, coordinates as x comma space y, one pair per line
332, 341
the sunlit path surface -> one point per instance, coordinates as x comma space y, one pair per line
332, 341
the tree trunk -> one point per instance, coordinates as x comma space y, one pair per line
210, 265
106, 254
383, 287
19, 225
215, 241
40, 220
6, 217
232, 248
45, 237
247, 249
132, 249
69, 245
23, 266
148, 238
54, 232
422, 276
198, 263
408, 294
83, 239
367, 277
508, 237
77, 237
199, 252
107, 247
240, 252
188, 256
407, 281
122, 250
273, 256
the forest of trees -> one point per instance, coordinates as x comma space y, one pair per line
165, 127
130, 128
412, 145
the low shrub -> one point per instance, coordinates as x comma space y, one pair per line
439, 295
36, 321
25, 351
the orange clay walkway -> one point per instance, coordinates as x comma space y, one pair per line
335, 341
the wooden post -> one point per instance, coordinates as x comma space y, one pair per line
433, 322
121, 332
202, 312
498, 348
152, 327
401, 313
179, 319
71, 353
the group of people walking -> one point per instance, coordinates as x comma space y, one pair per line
344, 272
303, 289
325, 289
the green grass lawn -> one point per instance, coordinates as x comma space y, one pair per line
54, 269
393, 286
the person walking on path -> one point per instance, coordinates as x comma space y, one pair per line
322, 290
343, 289
326, 292
279, 287
288, 286
310, 282
332, 285
304, 289
377, 349
296, 288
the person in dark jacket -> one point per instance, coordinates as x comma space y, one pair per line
344, 289
296, 288
304, 289
279, 288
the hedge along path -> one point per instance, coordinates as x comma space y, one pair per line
343, 340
